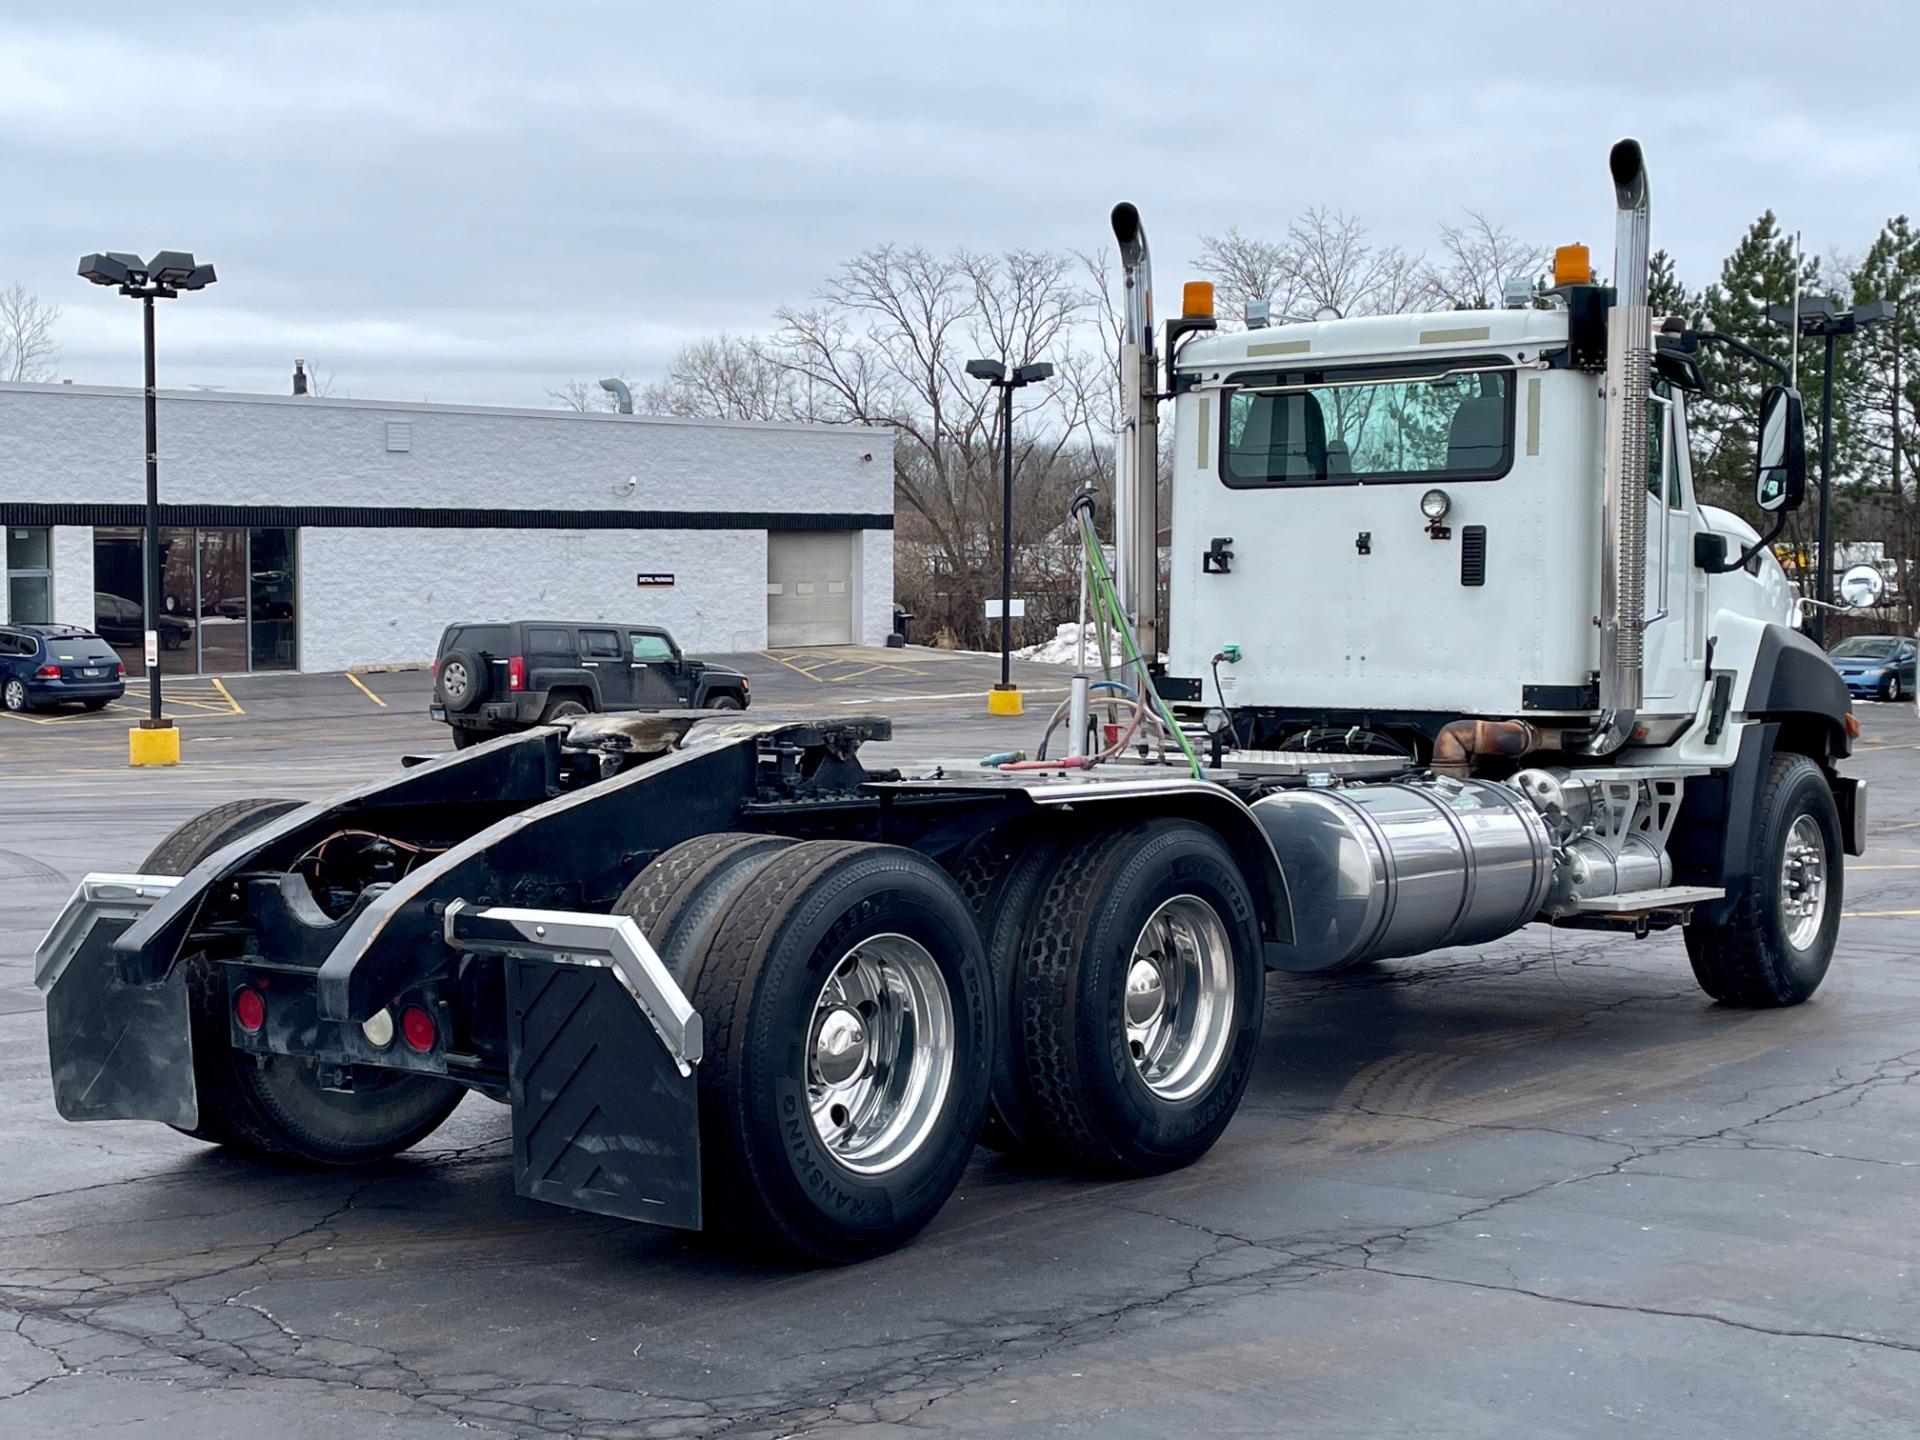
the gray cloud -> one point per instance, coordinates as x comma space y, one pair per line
474, 203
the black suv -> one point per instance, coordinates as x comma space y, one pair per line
489, 679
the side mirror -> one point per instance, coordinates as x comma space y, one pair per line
1780, 476
1861, 587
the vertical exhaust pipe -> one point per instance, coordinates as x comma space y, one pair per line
1623, 560
1136, 492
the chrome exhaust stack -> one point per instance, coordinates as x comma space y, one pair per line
1623, 559
1136, 491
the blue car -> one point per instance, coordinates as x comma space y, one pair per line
57, 665
1876, 666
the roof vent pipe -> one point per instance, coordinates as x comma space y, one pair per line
1623, 560
299, 377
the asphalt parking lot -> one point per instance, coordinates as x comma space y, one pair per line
1543, 1188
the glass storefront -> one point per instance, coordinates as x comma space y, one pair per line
226, 599
29, 575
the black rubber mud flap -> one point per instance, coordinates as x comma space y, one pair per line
119, 1051
604, 1118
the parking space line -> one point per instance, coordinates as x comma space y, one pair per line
1876, 914
368, 693
769, 655
230, 700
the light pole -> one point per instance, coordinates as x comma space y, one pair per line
1005, 699
1819, 316
156, 742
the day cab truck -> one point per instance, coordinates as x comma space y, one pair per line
1469, 655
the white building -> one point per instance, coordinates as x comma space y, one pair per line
314, 534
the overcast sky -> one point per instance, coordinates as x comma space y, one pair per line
473, 203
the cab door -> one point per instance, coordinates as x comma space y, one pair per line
1673, 651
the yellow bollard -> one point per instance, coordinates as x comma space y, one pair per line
156, 746
1003, 700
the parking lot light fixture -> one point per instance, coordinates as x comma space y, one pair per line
155, 742
1005, 697
1819, 316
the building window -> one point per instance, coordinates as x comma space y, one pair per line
29, 575
227, 598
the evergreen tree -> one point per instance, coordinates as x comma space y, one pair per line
1759, 273
1881, 368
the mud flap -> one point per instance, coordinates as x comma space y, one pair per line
603, 1118
118, 1051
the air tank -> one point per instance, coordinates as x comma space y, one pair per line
1376, 871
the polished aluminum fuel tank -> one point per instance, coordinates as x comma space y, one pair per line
1376, 871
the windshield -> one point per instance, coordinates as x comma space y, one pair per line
1867, 647
1352, 426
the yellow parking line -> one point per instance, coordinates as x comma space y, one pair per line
229, 697
368, 693
768, 654
1877, 914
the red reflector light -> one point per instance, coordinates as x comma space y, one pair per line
417, 1025
250, 1009
120, 669
516, 673
47, 672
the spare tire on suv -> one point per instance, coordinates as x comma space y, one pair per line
461, 681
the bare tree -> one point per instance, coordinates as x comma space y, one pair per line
1326, 262
1480, 257
583, 395
27, 348
1244, 269
725, 377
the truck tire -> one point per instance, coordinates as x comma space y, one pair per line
1140, 997
1775, 947
1002, 874
849, 1035
565, 707
460, 681
680, 893
275, 1105
725, 700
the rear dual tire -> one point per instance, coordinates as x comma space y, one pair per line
849, 1030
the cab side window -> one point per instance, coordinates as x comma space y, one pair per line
599, 644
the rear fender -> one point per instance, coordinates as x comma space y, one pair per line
519, 771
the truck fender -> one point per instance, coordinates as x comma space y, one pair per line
1793, 681
1206, 804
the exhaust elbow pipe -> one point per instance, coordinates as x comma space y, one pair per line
1623, 561
1136, 511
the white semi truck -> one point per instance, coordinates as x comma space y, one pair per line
1469, 656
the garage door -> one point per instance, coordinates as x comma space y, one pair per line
809, 588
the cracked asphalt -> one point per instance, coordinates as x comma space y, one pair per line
1544, 1188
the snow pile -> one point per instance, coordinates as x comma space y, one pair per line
1061, 649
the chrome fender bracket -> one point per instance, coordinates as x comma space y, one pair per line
118, 1051
601, 1045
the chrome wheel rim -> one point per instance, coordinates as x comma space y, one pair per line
16, 695
453, 680
1179, 998
1803, 882
880, 1054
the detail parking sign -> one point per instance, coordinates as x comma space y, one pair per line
153, 649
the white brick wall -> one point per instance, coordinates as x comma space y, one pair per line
368, 596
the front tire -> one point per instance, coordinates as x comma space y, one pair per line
1140, 998
1893, 690
850, 1029
725, 701
274, 1104
1775, 948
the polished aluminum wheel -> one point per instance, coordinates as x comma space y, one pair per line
454, 681
1803, 882
1179, 999
880, 1054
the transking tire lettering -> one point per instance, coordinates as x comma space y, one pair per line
819, 1174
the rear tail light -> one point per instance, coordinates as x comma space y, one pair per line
417, 1026
250, 1009
516, 673
47, 672
436, 667
119, 669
